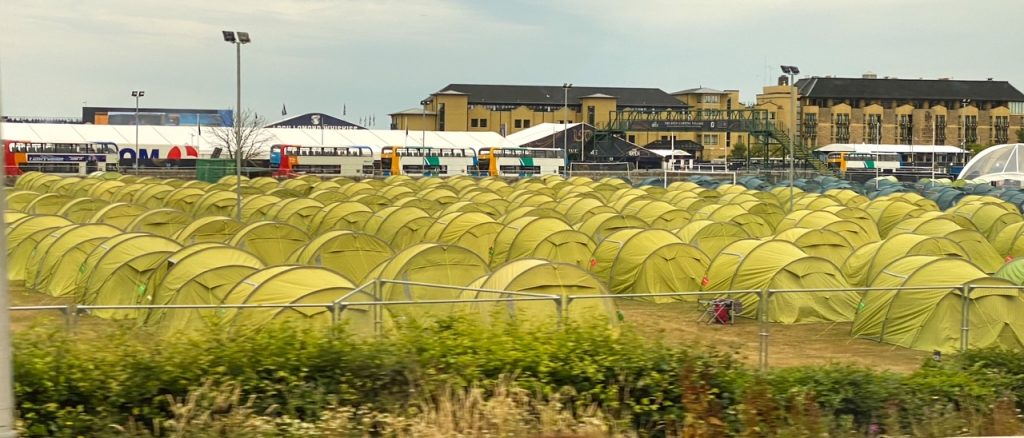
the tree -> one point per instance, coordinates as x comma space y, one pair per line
739, 151
255, 138
1020, 135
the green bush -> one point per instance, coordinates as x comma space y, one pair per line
81, 386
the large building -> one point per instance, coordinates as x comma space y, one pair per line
507, 109
897, 111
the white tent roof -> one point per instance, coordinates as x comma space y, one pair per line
997, 163
891, 148
670, 152
538, 132
149, 136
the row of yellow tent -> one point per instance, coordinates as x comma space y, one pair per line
637, 240
100, 265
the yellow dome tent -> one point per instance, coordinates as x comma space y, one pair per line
350, 253
867, 261
540, 277
272, 242
164, 221
292, 284
431, 263
932, 319
648, 261
777, 264
711, 236
198, 274
53, 265
217, 229
118, 271
474, 231
23, 236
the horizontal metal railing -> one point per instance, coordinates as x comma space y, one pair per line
562, 303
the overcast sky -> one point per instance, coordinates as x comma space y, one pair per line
375, 57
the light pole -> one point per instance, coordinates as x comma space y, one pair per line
238, 38
7, 400
565, 125
792, 71
137, 94
423, 121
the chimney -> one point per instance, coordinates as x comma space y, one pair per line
869, 75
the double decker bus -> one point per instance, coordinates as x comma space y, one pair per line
427, 161
864, 161
321, 160
59, 158
515, 161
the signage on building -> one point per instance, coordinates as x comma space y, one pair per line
314, 121
687, 125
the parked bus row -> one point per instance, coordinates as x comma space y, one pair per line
290, 160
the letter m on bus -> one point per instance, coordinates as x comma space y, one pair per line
144, 154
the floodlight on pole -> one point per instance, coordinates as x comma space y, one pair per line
792, 71
238, 38
565, 126
423, 121
137, 94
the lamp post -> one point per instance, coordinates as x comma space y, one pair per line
238, 38
565, 125
137, 94
792, 71
423, 121
7, 400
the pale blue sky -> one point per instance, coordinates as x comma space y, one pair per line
381, 56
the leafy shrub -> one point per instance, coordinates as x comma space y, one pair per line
281, 377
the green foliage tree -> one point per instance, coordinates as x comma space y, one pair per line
739, 151
1020, 135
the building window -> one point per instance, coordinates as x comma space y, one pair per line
841, 128
809, 128
473, 123
710, 98
969, 130
873, 129
1001, 129
905, 129
591, 113
940, 129
518, 123
483, 123
1016, 108
631, 138
526, 123
440, 116
710, 139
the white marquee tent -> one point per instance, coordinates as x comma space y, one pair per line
166, 136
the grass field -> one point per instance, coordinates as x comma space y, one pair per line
675, 323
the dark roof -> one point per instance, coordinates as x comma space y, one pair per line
553, 95
937, 89
306, 121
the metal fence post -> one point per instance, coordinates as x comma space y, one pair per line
762, 317
377, 311
335, 313
71, 317
965, 328
561, 310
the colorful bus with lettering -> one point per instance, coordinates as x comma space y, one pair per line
158, 155
885, 161
59, 158
428, 161
515, 161
286, 160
